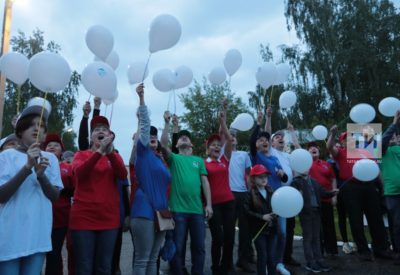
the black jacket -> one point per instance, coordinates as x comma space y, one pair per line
255, 214
301, 184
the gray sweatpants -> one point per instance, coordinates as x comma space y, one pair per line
147, 243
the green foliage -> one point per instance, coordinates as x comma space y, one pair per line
203, 105
350, 54
62, 103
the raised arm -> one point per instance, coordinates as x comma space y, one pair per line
144, 120
254, 134
226, 135
83, 141
293, 135
164, 136
175, 130
268, 127
330, 145
388, 134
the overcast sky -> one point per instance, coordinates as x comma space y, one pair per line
209, 29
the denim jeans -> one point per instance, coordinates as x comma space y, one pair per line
393, 206
93, 251
54, 263
29, 265
195, 224
280, 240
147, 243
265, 254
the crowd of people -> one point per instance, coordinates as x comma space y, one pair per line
87, 199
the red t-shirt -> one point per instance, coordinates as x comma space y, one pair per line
218, 177
62, 206
96, 199
322, 172
346, 162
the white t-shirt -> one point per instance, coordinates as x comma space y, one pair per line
238, 164
283, 158
26, 218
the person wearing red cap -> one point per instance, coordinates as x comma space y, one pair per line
153, 178
360, 198
95, 213
29, 181
61, 208
264, 223
322, 172
260, 153
222, 224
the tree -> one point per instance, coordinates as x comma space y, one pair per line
203, 104
350, 54
62, 103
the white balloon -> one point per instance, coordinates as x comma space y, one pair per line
388, 106
100, 41
287, 99
164, 80
266, 75
113, 60
15, 67
320, 132
365, 170
49, 72
362, 113
38, 101
283, 72
183, 77
300, 160
243, 122
287, 202
136, 72
100, 80
232, 61
217, 76
165, 32
112, 100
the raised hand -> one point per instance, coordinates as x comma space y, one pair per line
97, 102
334, 130
105, 145
167, 117
86, 109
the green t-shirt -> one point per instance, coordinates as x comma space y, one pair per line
186, 172
390, 167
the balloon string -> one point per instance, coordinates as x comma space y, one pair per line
112, 111
18, 97
259, 232
146, 67
343, 120
230, 83
174, 103
105, 113
169, 100
41, 116
272, 92
90, 96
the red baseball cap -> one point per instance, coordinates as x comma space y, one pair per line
99, 120
259, 169
53, 138
342, 136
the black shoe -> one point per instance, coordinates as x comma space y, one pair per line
323, 266
365, 256
185, 271
291, 262
385, 255
245, 267
313, 267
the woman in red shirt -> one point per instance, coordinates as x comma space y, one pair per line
222, 224
61, 208
95, 217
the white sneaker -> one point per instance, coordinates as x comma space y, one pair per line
354, 247
281, 269
347, 249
